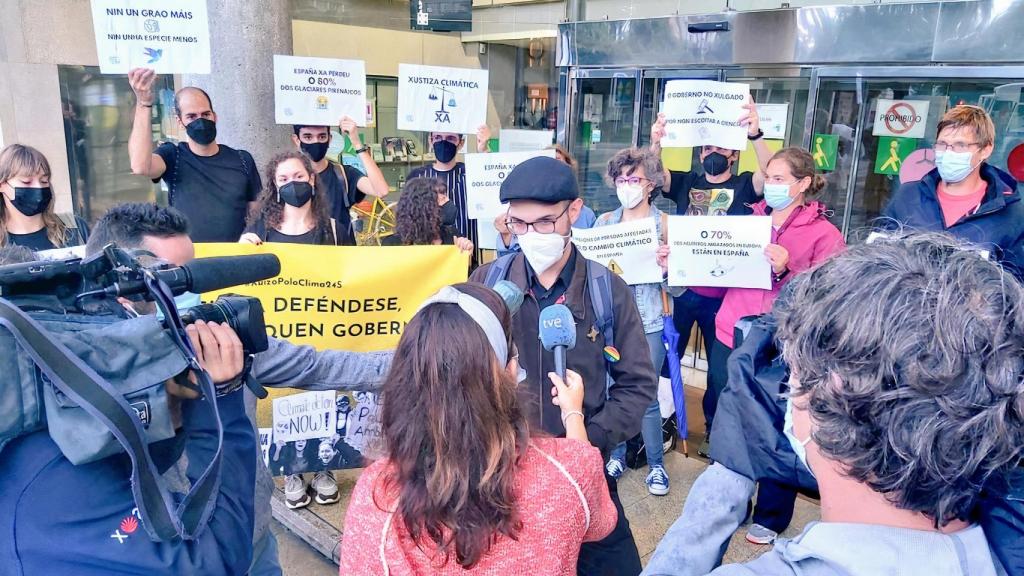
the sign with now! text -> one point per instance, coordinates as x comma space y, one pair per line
168, 37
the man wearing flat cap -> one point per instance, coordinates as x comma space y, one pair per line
543, 201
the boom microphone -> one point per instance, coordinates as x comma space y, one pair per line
208, 274
557, 334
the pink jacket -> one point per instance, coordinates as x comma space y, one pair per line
810, 239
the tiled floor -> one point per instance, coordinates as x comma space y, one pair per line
650, 516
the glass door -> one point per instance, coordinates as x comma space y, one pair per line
872, 129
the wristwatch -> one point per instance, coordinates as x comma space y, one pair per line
364, 148
757, 136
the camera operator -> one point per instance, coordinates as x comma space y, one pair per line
164, 232
66, 519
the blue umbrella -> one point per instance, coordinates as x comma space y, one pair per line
670, 336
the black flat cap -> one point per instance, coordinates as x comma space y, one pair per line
540, 179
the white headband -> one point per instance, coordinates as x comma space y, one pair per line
480, 314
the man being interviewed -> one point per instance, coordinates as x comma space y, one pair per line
543, 200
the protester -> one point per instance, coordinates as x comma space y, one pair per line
212, 184
638, 176
802, 237
83, 519
964, 194
27, 215
445, 146
715, 191
907, 388
345, 185
506, 243
294, 207
164, 233
468, 485
543, 199
424, 216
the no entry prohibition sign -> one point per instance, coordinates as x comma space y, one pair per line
904, 118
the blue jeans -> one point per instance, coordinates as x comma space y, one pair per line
264, 557
650, 426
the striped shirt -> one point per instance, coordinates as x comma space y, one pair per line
455, 179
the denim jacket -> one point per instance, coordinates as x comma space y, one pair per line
647, 296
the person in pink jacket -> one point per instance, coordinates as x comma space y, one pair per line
802, 237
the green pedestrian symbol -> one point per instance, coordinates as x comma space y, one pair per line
824, 149
892, 152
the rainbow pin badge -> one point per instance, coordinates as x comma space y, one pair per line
611, 354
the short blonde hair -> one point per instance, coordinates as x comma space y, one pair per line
972, 117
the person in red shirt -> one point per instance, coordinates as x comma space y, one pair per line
466, 487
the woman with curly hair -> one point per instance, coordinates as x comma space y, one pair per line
26, 211
292, 207
419, 216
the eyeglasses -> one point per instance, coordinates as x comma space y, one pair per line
954, 146
518, 227
631, 180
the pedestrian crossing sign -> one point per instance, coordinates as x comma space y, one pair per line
892, 151
824, 149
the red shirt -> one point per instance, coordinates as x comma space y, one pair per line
551, 507
956, 207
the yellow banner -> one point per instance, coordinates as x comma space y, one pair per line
355, 298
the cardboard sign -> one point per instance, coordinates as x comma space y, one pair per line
774, 120
628, 249
515, 140
265, 435
902, 118
304, 416
319, 91
824, 150
891, 154
484, 174
702, 112
720, 251
363, 426
440, 99
169, 37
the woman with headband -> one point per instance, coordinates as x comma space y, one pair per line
465, 487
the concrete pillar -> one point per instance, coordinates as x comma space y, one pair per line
575, 10
244, 36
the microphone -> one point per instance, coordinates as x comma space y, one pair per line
558, 334
208, 274
511, 294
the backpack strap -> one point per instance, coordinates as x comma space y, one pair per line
599, 284
499, 270
339, 171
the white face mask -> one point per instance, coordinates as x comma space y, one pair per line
799, 446
953, 166
630, 195
542, 250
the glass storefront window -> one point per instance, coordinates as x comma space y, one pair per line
98, 111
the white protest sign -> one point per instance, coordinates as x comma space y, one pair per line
363, 428
720, 251
319, 91
774, 119
265, 436
484, 174
304, 416
516, 140
901, 118
440, 99
169, 37
702, 112
628, 249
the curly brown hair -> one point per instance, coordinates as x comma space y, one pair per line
270, 208
417, 216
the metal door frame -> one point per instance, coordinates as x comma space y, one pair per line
862, 73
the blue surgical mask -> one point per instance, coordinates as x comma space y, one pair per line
182, 301
799, 446
777, 196
953, 166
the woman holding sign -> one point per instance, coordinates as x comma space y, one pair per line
638, 176
464, 485
802, 237
293, 208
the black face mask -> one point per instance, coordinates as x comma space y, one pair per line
444, 151
316, 150
295, 193
202, 131
32, 201
449, 214
715, 164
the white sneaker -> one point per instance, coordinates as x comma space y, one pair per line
615, 468
326, 488
295, 493
657, 481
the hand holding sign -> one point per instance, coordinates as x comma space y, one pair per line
778, 256
142, 80
750, 118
